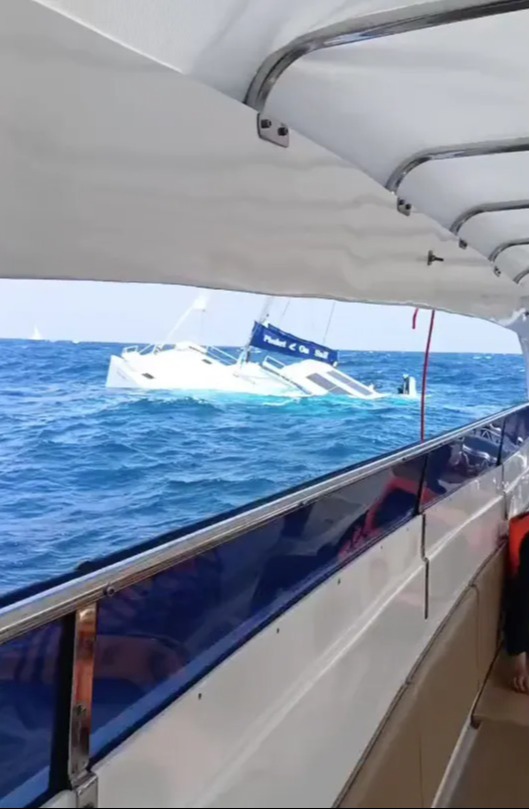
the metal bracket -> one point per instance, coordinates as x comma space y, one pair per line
273, 131
86, 792
403, 207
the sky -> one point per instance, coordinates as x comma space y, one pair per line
145, 313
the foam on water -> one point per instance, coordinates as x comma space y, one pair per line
85, 470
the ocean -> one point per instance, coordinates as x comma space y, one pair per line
85, 470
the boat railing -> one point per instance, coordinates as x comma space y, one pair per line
92, 656
220, 355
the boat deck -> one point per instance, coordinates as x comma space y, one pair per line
495, 771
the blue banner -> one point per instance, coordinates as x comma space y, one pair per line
271, 338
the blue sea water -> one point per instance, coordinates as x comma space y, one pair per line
85, 470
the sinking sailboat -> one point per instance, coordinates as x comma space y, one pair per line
190, 366
184, 365
315, 373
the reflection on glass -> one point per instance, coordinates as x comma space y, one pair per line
452, 465
28, 696
515, 433
158, 637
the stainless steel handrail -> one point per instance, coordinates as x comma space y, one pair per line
454, 151
521, 276
64, 599
507, 246
487, 207
415, 17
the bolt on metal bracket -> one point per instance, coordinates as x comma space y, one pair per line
403, 207
86, 792
273, 131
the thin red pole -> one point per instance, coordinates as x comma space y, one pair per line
425, 374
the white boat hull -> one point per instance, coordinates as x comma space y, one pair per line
191, 369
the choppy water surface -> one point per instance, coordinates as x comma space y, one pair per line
85, 470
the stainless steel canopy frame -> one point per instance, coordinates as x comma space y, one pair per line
390, 23
462, 150
506, 246
521, 276
491, 207
417, 17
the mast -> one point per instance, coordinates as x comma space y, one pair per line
199, 304
263, 317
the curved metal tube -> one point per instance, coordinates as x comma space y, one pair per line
520, 276
416, 17
488, 147
506, 246
488, 207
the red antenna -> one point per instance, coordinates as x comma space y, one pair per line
425, 368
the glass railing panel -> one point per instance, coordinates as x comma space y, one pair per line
515, 433
157, 638
457, 462
29, 672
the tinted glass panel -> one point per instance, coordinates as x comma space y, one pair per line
349, 383
158, 637
325, 383
515, 433
452, 465
28, 696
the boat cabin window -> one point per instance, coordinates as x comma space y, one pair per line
349, 383
326, 383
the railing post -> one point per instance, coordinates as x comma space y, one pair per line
81, 780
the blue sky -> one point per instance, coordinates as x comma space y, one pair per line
144, 313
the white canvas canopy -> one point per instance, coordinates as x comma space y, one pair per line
132, 156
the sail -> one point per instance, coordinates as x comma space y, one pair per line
270, 338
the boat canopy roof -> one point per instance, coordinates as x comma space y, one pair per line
347, 149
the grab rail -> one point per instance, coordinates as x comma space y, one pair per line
49, 605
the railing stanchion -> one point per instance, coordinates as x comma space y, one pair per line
82, 781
